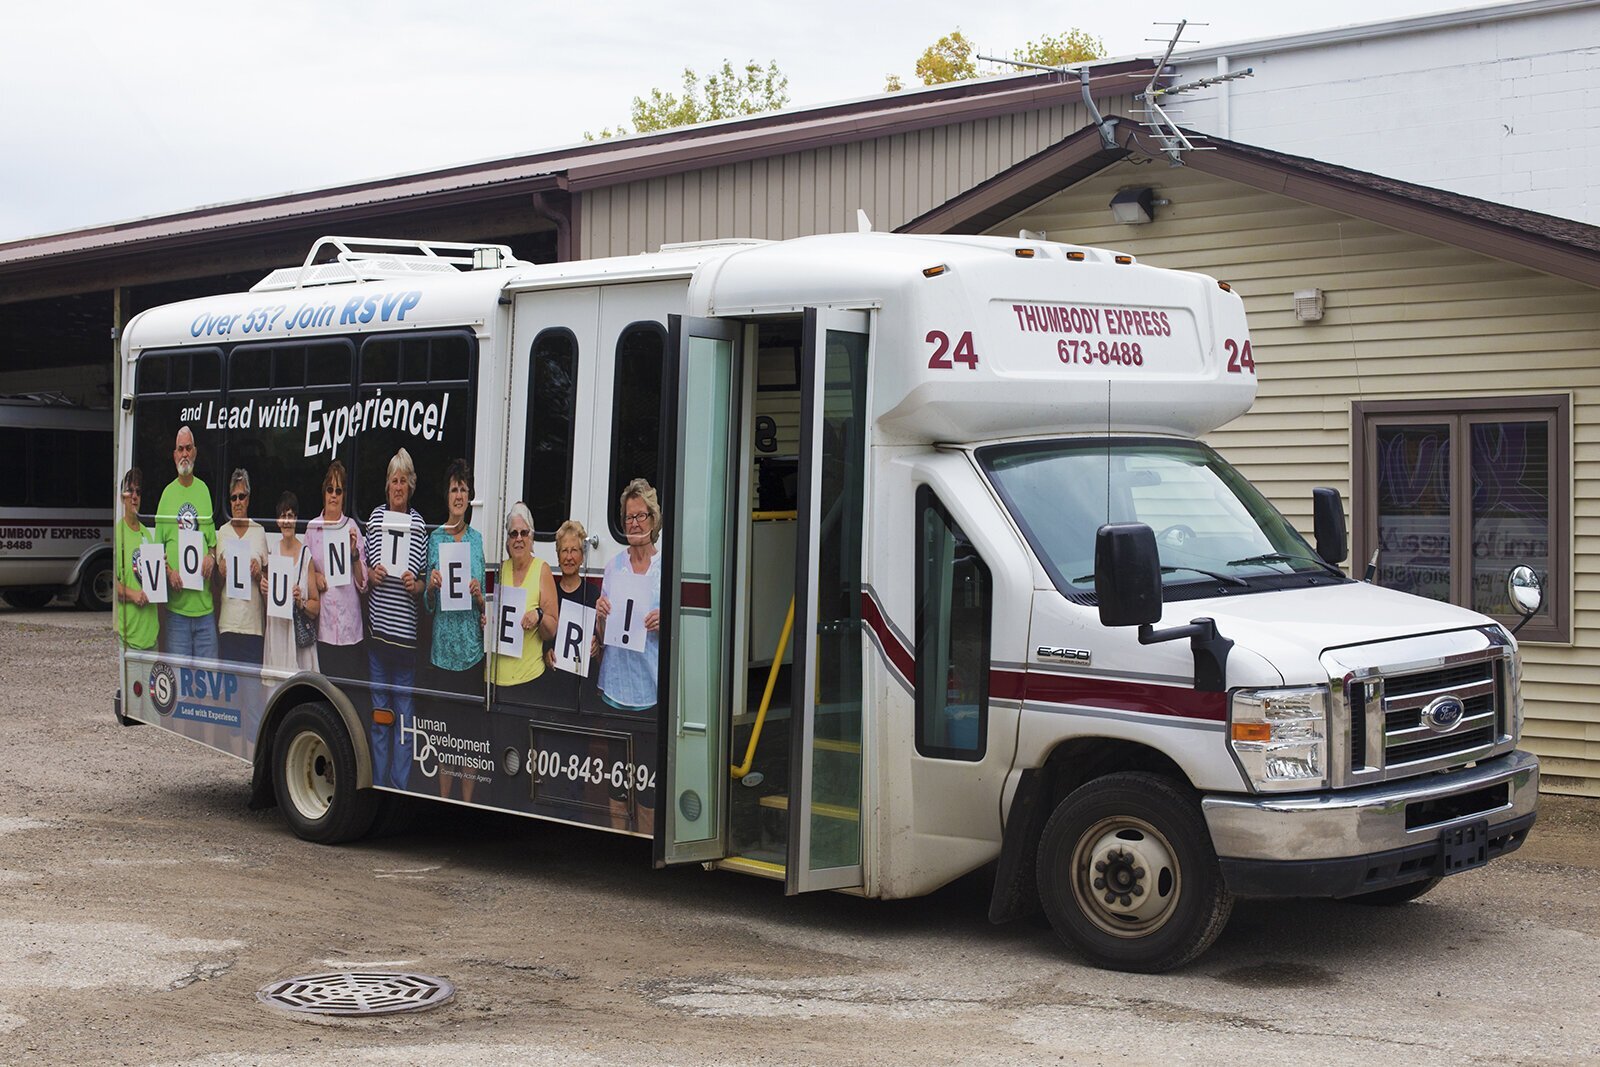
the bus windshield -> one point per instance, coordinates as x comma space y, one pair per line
1211, 524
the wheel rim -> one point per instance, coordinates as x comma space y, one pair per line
101, 586
308, 767
1125, 877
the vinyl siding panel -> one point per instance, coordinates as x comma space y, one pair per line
893, 178
1404, 317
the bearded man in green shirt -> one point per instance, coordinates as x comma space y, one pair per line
191, 629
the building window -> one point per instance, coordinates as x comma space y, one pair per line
1454, 493
952, 642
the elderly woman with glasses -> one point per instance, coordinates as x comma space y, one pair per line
339, 627
239, 619
628, 676
513, 676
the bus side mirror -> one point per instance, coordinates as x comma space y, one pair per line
1526, 593
1327, 510
1127, 574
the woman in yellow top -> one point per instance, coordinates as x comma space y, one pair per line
514, 676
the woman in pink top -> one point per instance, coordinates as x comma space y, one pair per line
339, 627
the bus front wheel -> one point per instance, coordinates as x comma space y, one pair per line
314, 777
1127, 874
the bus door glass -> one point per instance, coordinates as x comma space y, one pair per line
826, 731
703, 488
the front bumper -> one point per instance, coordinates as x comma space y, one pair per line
1338, 844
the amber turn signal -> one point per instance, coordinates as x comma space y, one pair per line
383, 716
1252, 731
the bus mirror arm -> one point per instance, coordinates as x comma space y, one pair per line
1209, 647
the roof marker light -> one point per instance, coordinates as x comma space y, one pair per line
934, 272
1124, 260
1225, 287
1076, 257
1024, 253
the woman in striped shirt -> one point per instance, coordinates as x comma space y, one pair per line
397, 553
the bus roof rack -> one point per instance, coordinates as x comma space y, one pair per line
361, 259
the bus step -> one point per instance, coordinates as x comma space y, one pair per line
830, 811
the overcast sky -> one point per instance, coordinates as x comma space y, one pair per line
116, 110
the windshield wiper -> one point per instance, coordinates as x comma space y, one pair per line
1231, 579
1284, 557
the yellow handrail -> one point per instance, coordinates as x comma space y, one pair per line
766, 697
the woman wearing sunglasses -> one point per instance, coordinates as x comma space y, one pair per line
514, 676
239, 620
339, 628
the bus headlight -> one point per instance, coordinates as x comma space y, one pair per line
1280, 737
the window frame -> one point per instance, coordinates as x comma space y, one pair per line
531, 420
1554, 623
928, 500
615, 481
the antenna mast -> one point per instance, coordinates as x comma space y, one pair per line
1172, 140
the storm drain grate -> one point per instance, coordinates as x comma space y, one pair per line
357, 993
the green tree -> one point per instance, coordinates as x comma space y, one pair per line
954, 58
725, 94
949, 59
1061, 50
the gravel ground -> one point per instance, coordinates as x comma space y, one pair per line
142, 906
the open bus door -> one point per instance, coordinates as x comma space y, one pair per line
701, 495
825, 783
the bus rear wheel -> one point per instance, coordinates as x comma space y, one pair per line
1127, 874
314, 777
97, 587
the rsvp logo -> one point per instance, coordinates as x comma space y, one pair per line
163, 688
207, 685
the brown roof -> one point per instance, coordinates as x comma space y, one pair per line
1543, 242
584, 166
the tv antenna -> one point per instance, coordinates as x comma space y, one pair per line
1172, 140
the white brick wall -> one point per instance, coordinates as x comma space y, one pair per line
1506, 108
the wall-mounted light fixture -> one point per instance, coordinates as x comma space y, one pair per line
1136, 206
1308, 305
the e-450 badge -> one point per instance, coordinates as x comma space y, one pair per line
1069, 655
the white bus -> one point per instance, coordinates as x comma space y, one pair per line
932, 512
55, 531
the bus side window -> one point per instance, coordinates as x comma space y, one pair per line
952, 637
636, 415
552, 408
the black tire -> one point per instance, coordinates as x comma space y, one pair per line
96, 585
1395, 894
314, 777
31, 599
1143, 833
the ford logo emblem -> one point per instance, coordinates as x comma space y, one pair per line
1442, 715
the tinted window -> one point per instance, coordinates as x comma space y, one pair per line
636, 426
552, 399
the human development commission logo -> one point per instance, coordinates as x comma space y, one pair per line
163, 688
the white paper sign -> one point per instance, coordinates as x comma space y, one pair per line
455, 576
191, 550
236, 554
630, 596
336, 562
506, 621
280, 586
395, 551
574, 624
150, 564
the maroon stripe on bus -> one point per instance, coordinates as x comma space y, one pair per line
900, 657
1038, 687
695, 594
